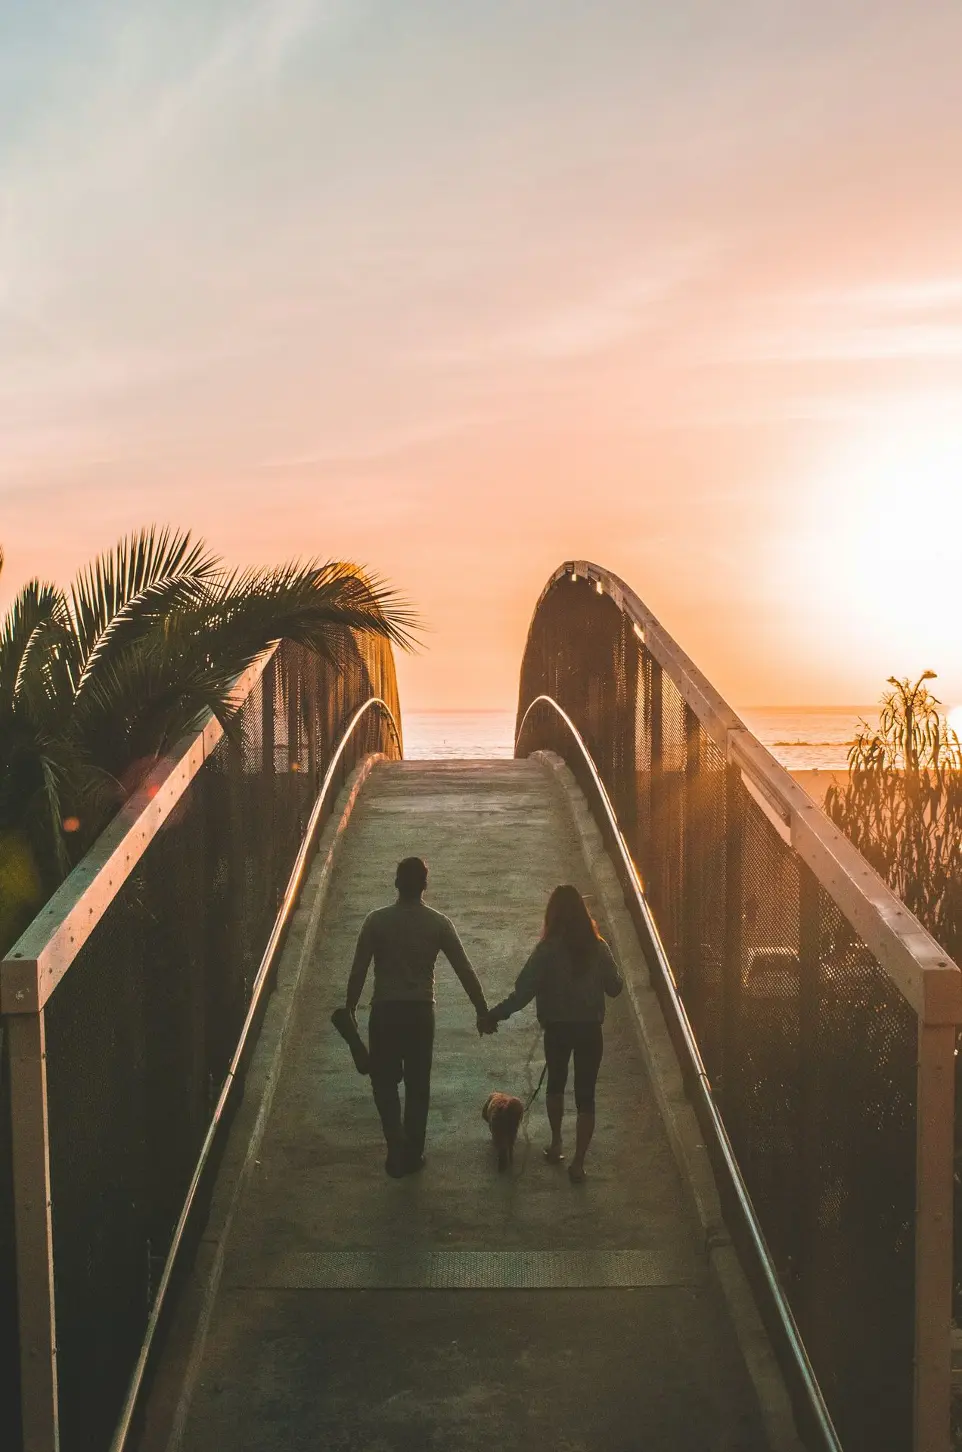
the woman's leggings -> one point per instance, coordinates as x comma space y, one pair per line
586, 1042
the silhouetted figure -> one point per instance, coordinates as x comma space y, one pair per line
569, 974
404, 941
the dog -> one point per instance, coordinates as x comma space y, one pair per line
503, 1114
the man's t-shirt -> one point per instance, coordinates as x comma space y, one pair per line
404, 941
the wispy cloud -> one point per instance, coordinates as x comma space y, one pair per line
377, 447
902, 319
595, 318
879, 343
898, 295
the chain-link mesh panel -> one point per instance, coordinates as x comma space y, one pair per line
668, 797
761, 1076
858, 1251
142, 1029
809, 1048
9, 1332
704, 921
97, 1084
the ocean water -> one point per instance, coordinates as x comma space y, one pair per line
443, 735
805, 737
800, 737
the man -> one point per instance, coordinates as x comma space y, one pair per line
404, 941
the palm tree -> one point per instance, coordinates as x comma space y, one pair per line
99, 681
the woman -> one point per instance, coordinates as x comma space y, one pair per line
569, 973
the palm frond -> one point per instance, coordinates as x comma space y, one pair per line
139, 705
119, 593
310, 604
37, 610
52, 782
140, 618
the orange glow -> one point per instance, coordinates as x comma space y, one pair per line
659, 295
71, 824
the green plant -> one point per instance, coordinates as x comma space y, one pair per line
902, 805
99, 681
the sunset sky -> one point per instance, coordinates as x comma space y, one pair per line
460, 290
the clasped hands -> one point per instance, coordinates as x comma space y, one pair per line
487, 1023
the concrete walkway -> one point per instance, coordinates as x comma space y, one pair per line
460, 1309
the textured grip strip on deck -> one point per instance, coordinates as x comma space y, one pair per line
475, 1270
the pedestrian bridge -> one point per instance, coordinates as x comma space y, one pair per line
198, 1245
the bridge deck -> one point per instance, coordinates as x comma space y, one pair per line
460, 1309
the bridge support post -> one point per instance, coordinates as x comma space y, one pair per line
809, 1150
267, 716
732, 966
935, 1105
293, 726
693, 856
33, 1228
656, 807
266, 795
312, 730
656, 720
627, 777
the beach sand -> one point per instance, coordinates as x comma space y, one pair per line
817, 781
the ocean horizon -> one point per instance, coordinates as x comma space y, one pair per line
802, 738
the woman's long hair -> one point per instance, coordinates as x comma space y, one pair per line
568, 921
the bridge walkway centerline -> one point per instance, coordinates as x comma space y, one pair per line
460, 1308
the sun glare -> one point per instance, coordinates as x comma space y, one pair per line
955, 720
876, 549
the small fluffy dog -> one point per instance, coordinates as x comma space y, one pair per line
503, 1114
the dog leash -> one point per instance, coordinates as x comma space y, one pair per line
534, 1093
528, 1103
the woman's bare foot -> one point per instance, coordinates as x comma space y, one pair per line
576, 1173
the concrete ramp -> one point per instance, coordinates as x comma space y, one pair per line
459, 1308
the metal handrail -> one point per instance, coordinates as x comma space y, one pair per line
261, 978
813, 1392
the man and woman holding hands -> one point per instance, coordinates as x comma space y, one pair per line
569, 974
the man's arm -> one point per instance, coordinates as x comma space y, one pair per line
453, 950
363, 954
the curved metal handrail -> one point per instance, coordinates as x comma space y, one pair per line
816, 1401
267, 963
